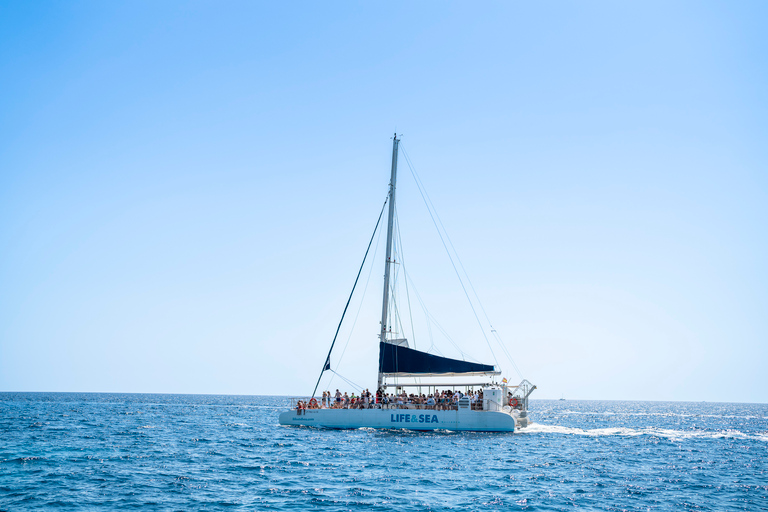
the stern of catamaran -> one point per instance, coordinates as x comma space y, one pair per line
517, 401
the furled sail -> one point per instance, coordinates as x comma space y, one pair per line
404, 361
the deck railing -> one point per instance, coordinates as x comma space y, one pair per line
452, 406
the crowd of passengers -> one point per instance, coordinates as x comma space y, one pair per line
440, 400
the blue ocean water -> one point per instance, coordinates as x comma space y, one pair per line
70, 451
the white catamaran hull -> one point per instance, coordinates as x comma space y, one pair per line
411, 419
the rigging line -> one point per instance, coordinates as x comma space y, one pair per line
405, 273
497, 338
429, 327
424, 310
466, 274
429, 331
395, 321
398, 321
506, 352
501, 343
402, 263
327, 363
360, 307
348, 381
433, 319
438, 351
392, 317
437, 324
461, 281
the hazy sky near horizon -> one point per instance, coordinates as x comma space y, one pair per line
187, 190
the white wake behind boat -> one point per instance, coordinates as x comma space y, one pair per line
500, 408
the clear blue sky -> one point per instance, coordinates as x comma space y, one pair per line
186, 190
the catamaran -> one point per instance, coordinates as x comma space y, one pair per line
501, 408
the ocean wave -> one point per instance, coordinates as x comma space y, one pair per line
199, 456
22, 460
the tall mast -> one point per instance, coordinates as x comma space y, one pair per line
388, 261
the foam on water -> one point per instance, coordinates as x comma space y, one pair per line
537, 428
667, 414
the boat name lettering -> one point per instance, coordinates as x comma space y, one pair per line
413, 418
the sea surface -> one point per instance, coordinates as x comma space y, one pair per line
72, 451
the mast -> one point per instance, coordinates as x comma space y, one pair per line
388, 260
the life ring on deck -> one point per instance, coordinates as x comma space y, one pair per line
513, 402
313, 403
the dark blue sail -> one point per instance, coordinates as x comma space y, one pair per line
399, 359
